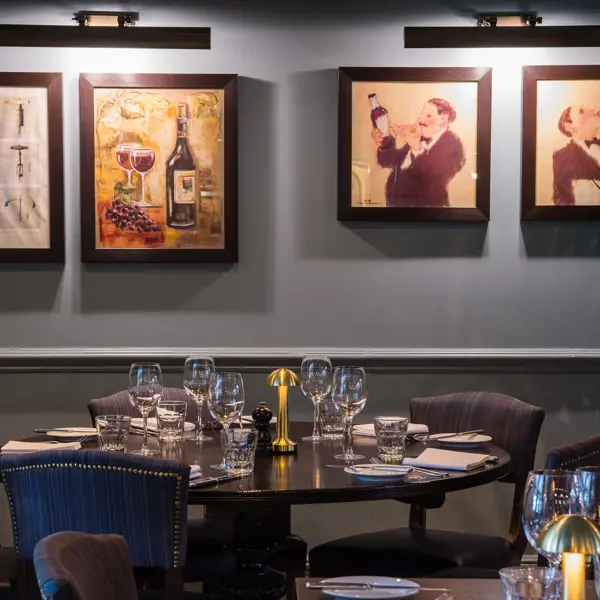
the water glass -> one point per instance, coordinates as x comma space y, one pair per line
170, 420
239, 447
531, 583
113, 432
391, 437
332, 421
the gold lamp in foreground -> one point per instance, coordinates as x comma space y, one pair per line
573, 536
282, 379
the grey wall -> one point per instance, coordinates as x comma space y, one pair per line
304, 280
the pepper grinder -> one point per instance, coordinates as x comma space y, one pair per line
262, 421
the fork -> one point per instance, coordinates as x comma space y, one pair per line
376, 461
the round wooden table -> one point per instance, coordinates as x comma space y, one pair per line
253, 513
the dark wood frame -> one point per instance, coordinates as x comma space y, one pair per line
75, 36
531, 76
56, 252
502, 37
483, 77
89, 252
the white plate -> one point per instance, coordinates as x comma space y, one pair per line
369, 472
72, 432
462, 440
371, 594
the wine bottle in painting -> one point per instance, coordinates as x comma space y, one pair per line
182, 178
379, 116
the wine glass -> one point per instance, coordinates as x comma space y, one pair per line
349, 394
145, 391
550, 494
226, 401
315, 381
124, 158
142, 160
196, 381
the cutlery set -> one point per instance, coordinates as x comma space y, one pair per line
370, 586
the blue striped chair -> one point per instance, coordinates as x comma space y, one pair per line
80, 566
144, 500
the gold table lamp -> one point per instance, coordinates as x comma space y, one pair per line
573, 536
282, 379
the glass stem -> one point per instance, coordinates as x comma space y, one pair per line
145, 442
143, 202
129, 178
199, 426
317, 433
348, 437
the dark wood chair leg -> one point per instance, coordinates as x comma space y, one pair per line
27, 588
173, 584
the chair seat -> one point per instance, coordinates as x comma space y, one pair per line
412, 553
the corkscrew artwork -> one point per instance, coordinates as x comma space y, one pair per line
20, 115
24, 207
20, 148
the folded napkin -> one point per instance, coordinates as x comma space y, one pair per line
26, 447
195, 472
368, 429
138, 423
433, 458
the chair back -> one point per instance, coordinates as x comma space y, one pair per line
119, 404
142, 499
584, 453
513, 425
80, 566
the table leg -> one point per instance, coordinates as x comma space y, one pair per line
251, 532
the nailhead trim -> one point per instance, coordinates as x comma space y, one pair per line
176, 520
580, 458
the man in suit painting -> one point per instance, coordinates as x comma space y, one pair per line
576, 166
427, 159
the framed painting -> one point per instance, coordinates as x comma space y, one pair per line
414, 144
561, 143
159, 168
31, 171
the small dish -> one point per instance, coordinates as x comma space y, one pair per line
371, 471
372, 594
72, 432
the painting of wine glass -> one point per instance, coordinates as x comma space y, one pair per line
31, 176
414, 144
159, 173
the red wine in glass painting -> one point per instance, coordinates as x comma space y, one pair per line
142, 160
379, 116
124, 158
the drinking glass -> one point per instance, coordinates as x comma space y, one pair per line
196, 380
170, 420
531, 583
349, 394
549, 494
142, 160
332, 421
391, 437
315, 381
113, 432
226, 402
124, 158
145, 391
239, 450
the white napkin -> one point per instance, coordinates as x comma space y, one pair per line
26, 447
433, 458
195, 472
138, 423
368, 429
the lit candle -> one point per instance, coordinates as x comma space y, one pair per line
573, 567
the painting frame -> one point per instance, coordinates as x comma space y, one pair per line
55, 253
88, 83
480, 75
531, 76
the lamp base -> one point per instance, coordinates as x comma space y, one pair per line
287, 447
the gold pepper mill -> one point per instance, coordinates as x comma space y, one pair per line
282, 379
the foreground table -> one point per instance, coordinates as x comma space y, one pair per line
462, 589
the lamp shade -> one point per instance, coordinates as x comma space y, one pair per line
283, 377
570, 533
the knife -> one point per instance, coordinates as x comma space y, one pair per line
369, 586
211, 480
451, 435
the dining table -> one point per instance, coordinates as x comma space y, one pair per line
252, 514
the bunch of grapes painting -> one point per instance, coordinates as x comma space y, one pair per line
161, 189
414, 144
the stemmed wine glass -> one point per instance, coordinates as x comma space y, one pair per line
142, 160
226, 402
315, 381
124, 158
145, 391
549, 494
196, 381
349, 394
